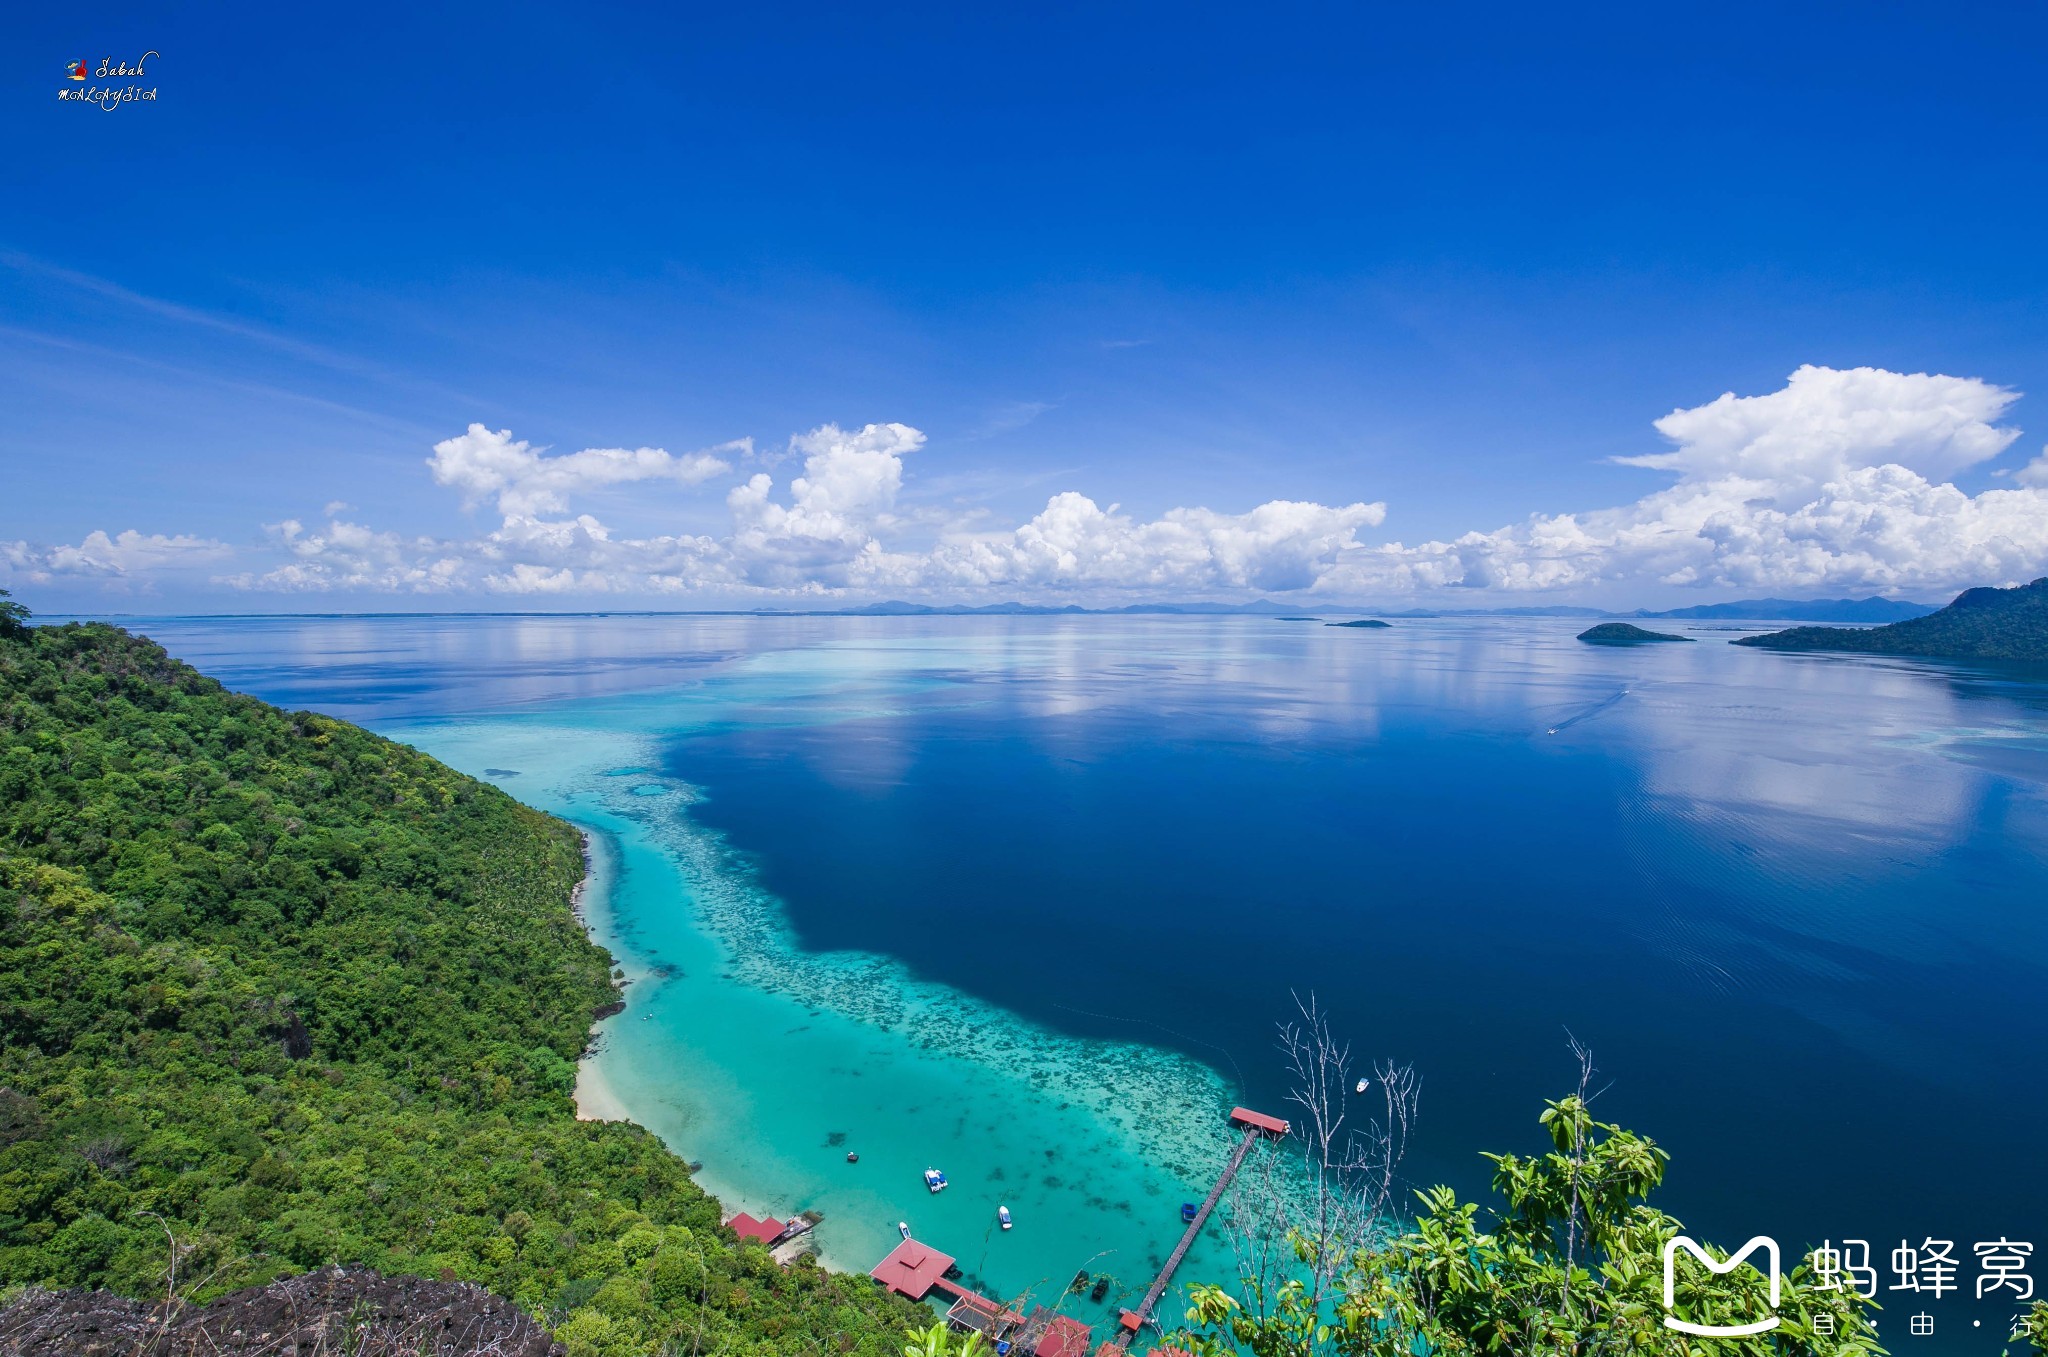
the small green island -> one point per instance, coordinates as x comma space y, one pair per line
1981, 624
1625, 634
1361, 622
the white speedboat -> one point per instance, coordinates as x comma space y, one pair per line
934, 1180
1003, 1215
903, 1228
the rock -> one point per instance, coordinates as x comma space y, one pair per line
381, 1317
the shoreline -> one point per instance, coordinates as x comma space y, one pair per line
725, 1005
596, 1100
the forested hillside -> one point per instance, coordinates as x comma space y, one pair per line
1981, 624
276, 992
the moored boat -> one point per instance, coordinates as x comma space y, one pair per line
934, 1180
1003, 1215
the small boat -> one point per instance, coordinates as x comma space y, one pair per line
903, 1228
852, 1158
934, 1180
1361, 1085
1188, 1212
1003, 1215
1100, 1289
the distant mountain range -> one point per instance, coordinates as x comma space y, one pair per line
1871, 609
1982, 624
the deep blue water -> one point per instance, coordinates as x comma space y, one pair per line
1796, 905
1825, 997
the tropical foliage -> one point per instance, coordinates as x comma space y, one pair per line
1569, 1262
276, 992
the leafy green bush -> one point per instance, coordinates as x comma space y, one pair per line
1569, 1262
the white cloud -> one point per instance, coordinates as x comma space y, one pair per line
2034, 473
827, 535
1840, 480
1827, 421
1280, 545
1833, 482
349, 556
482, 464
124, 556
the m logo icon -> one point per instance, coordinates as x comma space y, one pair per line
1770, 1248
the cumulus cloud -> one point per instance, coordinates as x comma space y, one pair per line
1281, 545
828, 534
1827, 422
122, 557
1833, 482
525, 480
2035, 473
1839, 480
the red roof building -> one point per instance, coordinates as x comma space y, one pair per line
746, 1227
1258, 1121
912, 1269
1064, 1337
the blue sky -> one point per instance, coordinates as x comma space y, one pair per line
1410, 280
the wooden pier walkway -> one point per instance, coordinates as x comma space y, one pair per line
915, 1270
1255, 1125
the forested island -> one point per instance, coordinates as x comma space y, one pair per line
276, 993
1981, 624
1367, 623
1625, 634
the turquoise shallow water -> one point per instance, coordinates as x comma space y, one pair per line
768, 1064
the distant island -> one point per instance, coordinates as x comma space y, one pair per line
1361, 622
1982, 624
1871, 609
1624, 634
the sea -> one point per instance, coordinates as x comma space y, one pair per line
1029, 900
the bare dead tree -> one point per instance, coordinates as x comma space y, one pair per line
1575, 1224
1302, 1208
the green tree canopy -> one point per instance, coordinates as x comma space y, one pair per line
276, 992
13, 617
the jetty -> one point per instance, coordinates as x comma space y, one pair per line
1256, 1126
915, 1270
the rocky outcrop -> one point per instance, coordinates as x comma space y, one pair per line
334, 1312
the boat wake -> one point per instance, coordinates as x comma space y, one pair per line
1589, 713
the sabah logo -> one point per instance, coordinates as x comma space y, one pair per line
1671, 1321
75, 70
